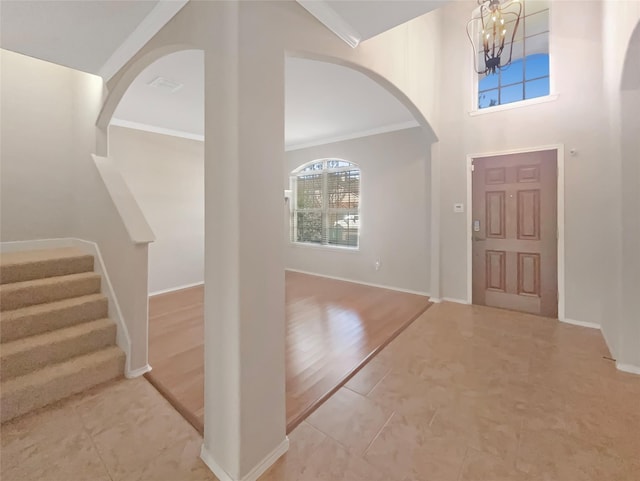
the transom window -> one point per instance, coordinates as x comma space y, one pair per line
528, 75
326, 203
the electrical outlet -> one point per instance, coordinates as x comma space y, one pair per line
377, 264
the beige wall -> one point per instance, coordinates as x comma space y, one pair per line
395, 212
50, 186
576, 119
166, 176
621, 53
38, 118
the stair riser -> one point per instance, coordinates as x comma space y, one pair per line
21, 363
33, 397
31, 295
45, 268
31, 325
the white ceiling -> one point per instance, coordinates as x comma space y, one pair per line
357, 20
181, 111
95, 36
323, 102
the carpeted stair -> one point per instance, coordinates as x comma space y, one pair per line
55, 335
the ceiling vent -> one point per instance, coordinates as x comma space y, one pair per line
165, 84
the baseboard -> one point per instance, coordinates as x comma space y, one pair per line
255, 473
344, 279
456, 300
592, 325
435, 300
27, 245
630, 368
138, 372
173, 289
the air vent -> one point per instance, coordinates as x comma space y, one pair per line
166, 84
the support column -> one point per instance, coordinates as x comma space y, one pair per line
435, 223
628, 358
244, 266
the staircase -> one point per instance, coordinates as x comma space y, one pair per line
55, 336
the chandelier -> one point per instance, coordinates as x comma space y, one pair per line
494, 26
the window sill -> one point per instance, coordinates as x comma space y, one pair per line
514, 105
321, 247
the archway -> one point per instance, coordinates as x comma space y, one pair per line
155, 140
430, 134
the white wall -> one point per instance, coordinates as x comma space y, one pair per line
166, 176
394, 215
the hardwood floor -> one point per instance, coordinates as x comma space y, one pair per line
333, 328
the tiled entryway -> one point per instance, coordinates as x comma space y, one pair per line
471, 393
464, 394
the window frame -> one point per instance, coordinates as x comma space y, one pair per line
324, 210
475, 82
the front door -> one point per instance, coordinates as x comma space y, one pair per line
515, 232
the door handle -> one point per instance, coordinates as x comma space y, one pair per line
478, 239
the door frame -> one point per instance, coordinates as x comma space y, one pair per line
559, 148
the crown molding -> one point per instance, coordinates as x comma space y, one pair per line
330, 19
156, 130
355, 135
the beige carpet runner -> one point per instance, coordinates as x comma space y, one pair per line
55, 335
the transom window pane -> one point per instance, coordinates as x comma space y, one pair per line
327, 203
528, 75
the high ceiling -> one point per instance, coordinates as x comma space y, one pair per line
94, 36
324, 102
357, 20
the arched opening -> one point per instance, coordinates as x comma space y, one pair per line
156, 142
358, 222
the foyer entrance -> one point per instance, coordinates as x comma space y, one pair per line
514, 232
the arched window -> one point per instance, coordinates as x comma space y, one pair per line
326, 203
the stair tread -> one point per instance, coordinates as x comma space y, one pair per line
49, 306
47, 281
51, 337
58, 370
25, 257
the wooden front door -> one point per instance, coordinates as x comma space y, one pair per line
514, 231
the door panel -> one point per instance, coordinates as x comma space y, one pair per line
496, 271
495, 214
515, 247
529, 214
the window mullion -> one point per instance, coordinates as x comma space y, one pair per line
325, 208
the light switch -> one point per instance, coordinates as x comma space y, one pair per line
458, 207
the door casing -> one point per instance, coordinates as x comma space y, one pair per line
559, 148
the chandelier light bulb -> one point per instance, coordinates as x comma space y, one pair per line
492, 33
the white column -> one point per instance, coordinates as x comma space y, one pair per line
244, 267
435, 222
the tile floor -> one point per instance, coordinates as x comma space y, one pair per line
464, 394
